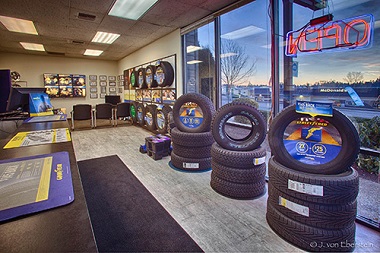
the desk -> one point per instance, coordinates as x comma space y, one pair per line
62, 229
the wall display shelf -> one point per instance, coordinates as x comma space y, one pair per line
153, 82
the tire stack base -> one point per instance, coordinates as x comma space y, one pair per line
238, 174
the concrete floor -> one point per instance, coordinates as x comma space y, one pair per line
216, 223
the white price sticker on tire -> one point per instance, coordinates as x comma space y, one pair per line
310, 189
190, 165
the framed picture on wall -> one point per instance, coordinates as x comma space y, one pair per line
120, 77
103, 83
103, 95
120, 90
103, 89
112, 83
93, 89
103, 78
112, 78
112, 89
93, 77
93, 83
121, 83
93, 95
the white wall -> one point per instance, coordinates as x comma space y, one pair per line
165, 46
32, 68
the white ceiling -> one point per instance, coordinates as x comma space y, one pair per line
63, 33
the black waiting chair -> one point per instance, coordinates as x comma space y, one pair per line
104, 111
122, 112
81, 112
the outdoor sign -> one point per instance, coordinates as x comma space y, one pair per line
352, 33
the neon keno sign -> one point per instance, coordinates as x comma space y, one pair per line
352, 33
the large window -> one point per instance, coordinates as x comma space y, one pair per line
237, 66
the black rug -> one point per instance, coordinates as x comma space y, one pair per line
124, 215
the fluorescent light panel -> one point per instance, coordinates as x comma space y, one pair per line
190, 49
243, 32
92, 52
193, 62
32, 46
18, 25
106, 38
131, 9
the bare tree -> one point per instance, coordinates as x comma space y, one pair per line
236, 66
354, 77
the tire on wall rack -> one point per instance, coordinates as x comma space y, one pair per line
191, 139
150, 80
238, 159
335, 157
133, 112
237, 190
150, 116
332, 216
310, 238
162, 119
190, 164
249, 141
193, 112
141, 78
324, 189
164, 74
140, 114
133, 78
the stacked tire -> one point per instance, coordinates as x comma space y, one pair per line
191, 137
238, 164
312, 194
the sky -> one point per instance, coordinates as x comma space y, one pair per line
312, 68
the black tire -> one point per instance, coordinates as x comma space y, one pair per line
141, 78
171, 121
150, 72
164, 74
201, 113
238, 159
133, 112
150, 116
237, 175
191, 139
249, 142
161, 121
237, 190
190, 164
133, 79
348, 152
192, 152
140, 114
310, 238
324, 189
333, 216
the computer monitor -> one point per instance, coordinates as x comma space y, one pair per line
19, 98
112, 99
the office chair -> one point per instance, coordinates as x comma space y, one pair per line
104, 111
81, 112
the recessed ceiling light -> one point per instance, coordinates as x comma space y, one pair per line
131, 9
18, 25
243, 32
103, 37
194, 62
92, 52
190, 49
32, 46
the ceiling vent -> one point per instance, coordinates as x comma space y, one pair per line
55, 53
76, 42
86, 16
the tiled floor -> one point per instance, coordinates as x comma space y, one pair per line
216, 223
